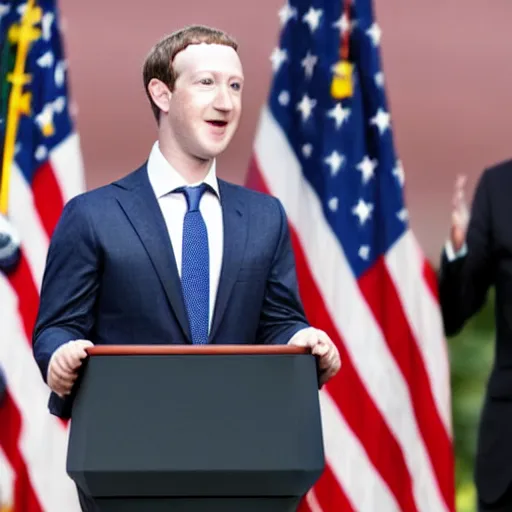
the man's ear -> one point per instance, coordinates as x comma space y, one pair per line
160, 94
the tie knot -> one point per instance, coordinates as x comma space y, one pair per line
193, 195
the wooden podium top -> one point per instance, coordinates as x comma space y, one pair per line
123, 350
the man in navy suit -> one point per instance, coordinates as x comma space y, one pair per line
171, 253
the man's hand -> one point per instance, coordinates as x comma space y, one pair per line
64, 363
460, 215
321, 346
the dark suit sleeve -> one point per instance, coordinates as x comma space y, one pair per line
464, 282
282, 313
70, 283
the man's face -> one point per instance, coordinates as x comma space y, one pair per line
205, 105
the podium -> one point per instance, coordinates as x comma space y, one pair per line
181, 428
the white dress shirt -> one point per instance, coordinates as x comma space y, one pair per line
453, 255
164, 179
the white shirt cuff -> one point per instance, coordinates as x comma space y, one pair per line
451, 255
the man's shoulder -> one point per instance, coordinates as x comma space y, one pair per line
99, 197
250, 196
495, 182
500, 171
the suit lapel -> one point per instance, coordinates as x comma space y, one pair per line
141, 207
235, 234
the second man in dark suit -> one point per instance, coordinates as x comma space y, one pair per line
477, 256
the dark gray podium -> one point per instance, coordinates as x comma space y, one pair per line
232, 428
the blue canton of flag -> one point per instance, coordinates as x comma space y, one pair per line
345, 147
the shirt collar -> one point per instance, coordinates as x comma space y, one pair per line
164, 178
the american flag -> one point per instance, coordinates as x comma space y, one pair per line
45, 171
327, 153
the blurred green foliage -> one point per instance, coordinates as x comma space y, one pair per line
471, 356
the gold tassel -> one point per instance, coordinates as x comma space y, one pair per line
342, 82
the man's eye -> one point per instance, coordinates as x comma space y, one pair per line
236, 86
207, 81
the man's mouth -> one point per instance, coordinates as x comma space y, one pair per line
218, 123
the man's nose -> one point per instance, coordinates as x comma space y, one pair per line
223, 100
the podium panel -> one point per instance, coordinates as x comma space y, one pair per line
190, 430
203, 504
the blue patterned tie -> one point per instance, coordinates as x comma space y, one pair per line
195, 274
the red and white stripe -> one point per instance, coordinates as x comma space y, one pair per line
33, 443
387, 414
7, 480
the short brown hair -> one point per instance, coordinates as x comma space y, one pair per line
158, 63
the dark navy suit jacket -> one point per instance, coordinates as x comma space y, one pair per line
464, 285
111, 275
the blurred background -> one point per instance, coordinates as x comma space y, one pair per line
448, 84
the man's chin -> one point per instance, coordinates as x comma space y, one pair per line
213, 150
